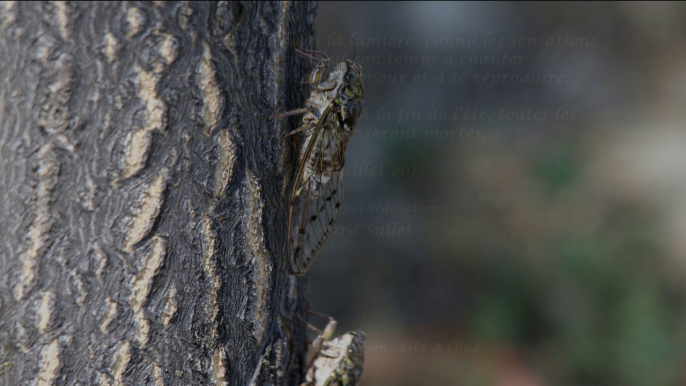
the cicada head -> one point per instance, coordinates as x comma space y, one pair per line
350, 94
350, 369
356, 348
352, 89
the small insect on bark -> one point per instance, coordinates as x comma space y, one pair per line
329, 119
336, 362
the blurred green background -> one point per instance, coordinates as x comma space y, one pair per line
533, 251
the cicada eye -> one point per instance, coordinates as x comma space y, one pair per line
349, 77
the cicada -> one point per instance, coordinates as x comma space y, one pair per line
329, 118
336, 362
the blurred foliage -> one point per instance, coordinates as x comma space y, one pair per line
548, 248
556, 168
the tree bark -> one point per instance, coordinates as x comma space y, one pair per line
143, 193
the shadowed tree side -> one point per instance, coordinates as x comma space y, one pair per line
143, 210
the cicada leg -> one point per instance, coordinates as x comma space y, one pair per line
312, 55
316, 75
319, 69
325, 335
289, 113
328, 330
298, 130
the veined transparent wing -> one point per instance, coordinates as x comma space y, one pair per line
317, 196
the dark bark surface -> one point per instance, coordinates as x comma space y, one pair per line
143, 209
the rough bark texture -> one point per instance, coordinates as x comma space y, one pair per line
143, 206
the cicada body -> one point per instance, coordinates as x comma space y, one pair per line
329, 119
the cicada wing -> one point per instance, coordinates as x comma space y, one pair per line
316, 224
317, 198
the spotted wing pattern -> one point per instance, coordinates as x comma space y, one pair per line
317, 196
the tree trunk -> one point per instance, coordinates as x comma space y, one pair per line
143, 193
